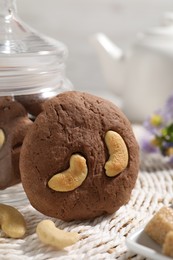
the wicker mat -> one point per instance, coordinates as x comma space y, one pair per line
104, 237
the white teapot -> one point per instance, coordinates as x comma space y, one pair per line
142, 77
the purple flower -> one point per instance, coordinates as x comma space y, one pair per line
159, 127
168, 110
154, 122
147, 146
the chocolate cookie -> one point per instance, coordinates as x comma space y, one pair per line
80, 160
14, 124
32, 103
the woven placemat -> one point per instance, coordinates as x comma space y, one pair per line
103, 237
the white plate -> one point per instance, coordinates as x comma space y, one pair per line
140, 243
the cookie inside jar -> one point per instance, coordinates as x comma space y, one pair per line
32, 70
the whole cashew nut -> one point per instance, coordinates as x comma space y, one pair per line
50, 235
118, 152
12, 222
71, 178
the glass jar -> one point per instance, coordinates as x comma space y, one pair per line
32, 70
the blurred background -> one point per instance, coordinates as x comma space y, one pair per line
74, 21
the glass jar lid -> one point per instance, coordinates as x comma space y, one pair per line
29, 61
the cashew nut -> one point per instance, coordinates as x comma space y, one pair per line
2, 138
118, 152
50, 235
12, 222
72, 178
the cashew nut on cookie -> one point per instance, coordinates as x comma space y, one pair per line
118, 159
72, 178
2, 138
